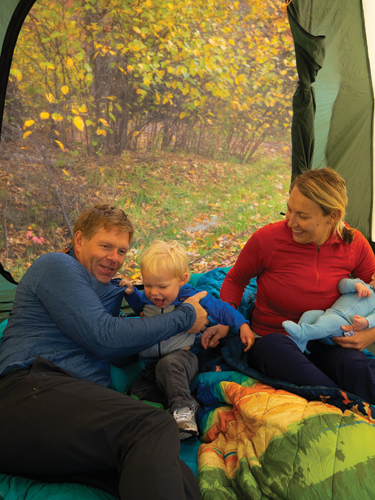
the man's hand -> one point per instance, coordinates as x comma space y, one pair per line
360, 340
211, 337
201, 319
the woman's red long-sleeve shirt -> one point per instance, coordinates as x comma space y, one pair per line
293, 278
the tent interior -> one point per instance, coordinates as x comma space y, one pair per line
328, 94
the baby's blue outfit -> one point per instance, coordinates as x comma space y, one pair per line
323, 325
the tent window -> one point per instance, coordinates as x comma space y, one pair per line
178, 112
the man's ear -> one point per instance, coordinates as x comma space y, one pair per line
78, 237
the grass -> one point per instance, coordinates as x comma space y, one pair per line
210, 207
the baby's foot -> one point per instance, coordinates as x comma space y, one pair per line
292, 329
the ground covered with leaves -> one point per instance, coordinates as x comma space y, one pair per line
211, 207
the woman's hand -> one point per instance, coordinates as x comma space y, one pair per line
212, 335
247, 336
360, 340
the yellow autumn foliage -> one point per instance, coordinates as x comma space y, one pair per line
78, 122
225, 66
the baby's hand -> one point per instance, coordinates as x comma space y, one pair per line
129, 286
359, 323
362, 290
247, 336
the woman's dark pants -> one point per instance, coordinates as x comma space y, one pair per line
277, 356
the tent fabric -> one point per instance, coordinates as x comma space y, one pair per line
7, 275
8, 289
369, 17
12, 16
344, 99
310, 53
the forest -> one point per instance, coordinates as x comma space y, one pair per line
94, 83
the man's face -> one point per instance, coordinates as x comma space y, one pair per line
104, 254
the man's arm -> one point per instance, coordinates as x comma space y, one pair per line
76, 310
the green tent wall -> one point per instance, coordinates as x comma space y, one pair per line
12, 16
344, 97
343, 131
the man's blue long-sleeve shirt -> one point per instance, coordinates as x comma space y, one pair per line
63, 313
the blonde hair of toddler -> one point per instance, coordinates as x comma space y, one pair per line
163, 256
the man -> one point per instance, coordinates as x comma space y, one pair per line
59, 420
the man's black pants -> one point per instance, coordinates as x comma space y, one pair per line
54, 426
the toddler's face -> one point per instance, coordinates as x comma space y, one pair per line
162, 290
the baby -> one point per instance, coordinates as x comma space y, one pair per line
165, 274
354, 307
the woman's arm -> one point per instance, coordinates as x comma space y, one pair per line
248, 265
364, 270
365, 258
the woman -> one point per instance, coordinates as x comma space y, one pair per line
298, 264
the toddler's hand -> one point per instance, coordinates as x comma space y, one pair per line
129, 286
247, 336
362, 290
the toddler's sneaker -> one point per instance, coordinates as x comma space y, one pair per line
185, 419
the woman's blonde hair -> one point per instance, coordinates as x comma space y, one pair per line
163, 256
327, 188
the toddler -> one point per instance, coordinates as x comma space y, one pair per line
165, 274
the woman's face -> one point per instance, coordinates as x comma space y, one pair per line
307, 221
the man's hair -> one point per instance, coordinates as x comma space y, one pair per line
326, 188
103, 216
163, 256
